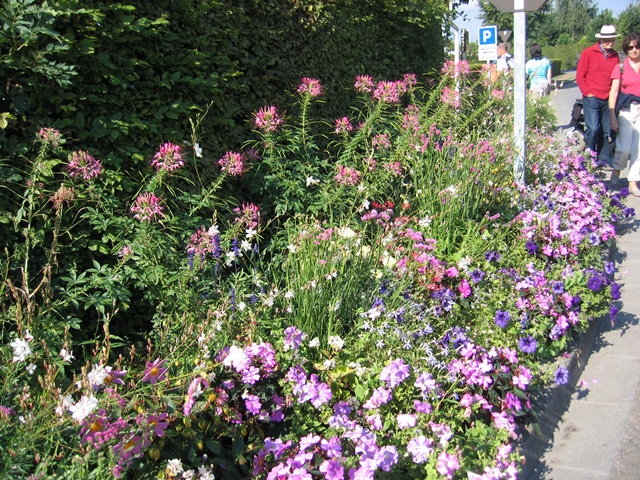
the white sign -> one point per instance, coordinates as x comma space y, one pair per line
487, 43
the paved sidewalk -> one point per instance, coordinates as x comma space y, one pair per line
598, 433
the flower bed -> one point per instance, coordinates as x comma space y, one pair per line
385, 311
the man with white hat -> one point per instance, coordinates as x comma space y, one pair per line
594, 80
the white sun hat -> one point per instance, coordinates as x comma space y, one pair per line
607, 31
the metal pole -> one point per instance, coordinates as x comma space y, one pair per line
519, 95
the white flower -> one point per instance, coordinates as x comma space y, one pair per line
205, 474
27, 335
31, 368
315, 343
292, 248
21, 349
336, 307
312, 181
242, 306
250, 233
425, 222
365, 204
336, 342
231, 257
245, 245
328, 364
67, 356
289, 295
83, 407
213, 230
197, 149
188, 474
452, 190
97, 376
346, 232
464, 263
174, 467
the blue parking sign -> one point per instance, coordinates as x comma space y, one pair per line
488, 35
487, 42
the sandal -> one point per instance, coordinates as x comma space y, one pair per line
635, 191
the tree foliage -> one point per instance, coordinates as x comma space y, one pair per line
630, 18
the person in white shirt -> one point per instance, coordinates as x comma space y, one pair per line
504, 64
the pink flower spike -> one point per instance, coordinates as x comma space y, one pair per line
267, 119
154, 372
83, 165
147, 207
233, 163
168, 158
310, 86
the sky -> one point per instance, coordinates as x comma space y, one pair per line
472, 11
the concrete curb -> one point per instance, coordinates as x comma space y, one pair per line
553, 401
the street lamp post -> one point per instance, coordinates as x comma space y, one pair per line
519, 9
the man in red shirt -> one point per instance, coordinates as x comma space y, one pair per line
594, 80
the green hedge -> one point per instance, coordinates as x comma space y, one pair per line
145, 68
567, 55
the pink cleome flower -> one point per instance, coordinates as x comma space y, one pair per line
233, 163
247, 215
347, 176
83, 165
267, 119
49, 136
388, 92
343, 125
168, 158
310, 86
450, 97
62, 195
147, 207
364, 84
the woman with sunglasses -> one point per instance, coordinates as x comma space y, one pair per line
624, 110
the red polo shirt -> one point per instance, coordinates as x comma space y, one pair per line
594, 71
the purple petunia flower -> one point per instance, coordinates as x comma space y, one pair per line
557, 287
332, 470
492, 256
609, 268
395, 373
615, 291
594, 283
477, 276
531, 247
420, 448
562, 376
386, 457
253, 404
528, 344
502, 318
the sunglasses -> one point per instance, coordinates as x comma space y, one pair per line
632, 47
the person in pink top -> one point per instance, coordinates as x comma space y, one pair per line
594, 81
624, 111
